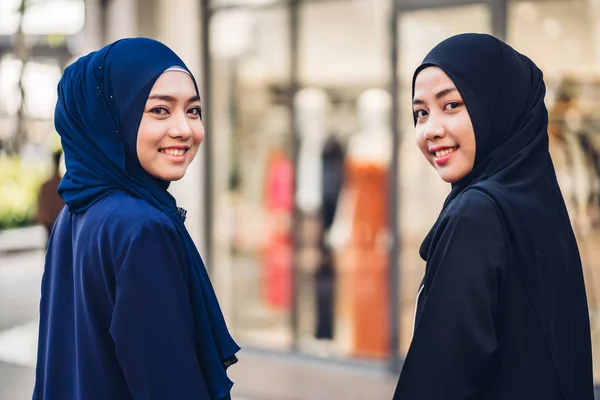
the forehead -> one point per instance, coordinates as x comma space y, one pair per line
431, 81
172, 82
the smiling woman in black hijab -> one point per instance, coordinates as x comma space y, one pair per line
502, 310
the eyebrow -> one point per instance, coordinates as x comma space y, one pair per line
166, 97
438, 95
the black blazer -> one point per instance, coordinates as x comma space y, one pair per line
478, 335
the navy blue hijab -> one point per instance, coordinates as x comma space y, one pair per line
504, 91
101, 98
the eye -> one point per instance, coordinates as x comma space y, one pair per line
160, 111
195, 111
417, 114
453, 105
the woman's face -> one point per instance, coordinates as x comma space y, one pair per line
171, 130
444, 130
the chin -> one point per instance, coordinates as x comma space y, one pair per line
451, 178
170, 176
174, 178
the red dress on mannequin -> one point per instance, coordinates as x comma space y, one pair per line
277, 264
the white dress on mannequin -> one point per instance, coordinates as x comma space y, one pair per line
312, 108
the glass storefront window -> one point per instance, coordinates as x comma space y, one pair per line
252, 173
341, 110
342, 115
341, 105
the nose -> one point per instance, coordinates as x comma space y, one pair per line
180, 127
434, 128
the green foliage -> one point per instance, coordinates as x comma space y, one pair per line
19, 185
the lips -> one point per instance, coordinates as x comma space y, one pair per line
173, 152
445, 152
176, 151
442, 153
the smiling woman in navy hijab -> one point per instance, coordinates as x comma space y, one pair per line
127, 308
502, 311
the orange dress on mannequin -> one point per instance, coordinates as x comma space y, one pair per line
366, 289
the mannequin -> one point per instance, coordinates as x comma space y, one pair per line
316, 282
332, 158
359, 231
312, 108
279, 205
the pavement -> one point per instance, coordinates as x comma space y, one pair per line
19, 298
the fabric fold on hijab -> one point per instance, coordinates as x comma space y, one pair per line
504, 91
101, 98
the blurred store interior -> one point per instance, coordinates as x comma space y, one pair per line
309, 199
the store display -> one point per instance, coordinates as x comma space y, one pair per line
360, 231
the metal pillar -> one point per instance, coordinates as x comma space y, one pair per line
393, 207
205, 12
295, 144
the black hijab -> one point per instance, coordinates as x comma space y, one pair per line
503, 91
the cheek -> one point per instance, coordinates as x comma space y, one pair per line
462, 132
198, 132
468, 141
197, 138
142, 145
421, 142
147, 150
149, 134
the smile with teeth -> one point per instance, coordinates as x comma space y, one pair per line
445, 152
173, 152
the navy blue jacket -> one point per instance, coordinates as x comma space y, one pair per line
116, 315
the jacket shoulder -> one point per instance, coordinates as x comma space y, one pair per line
474, 204
126, 215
